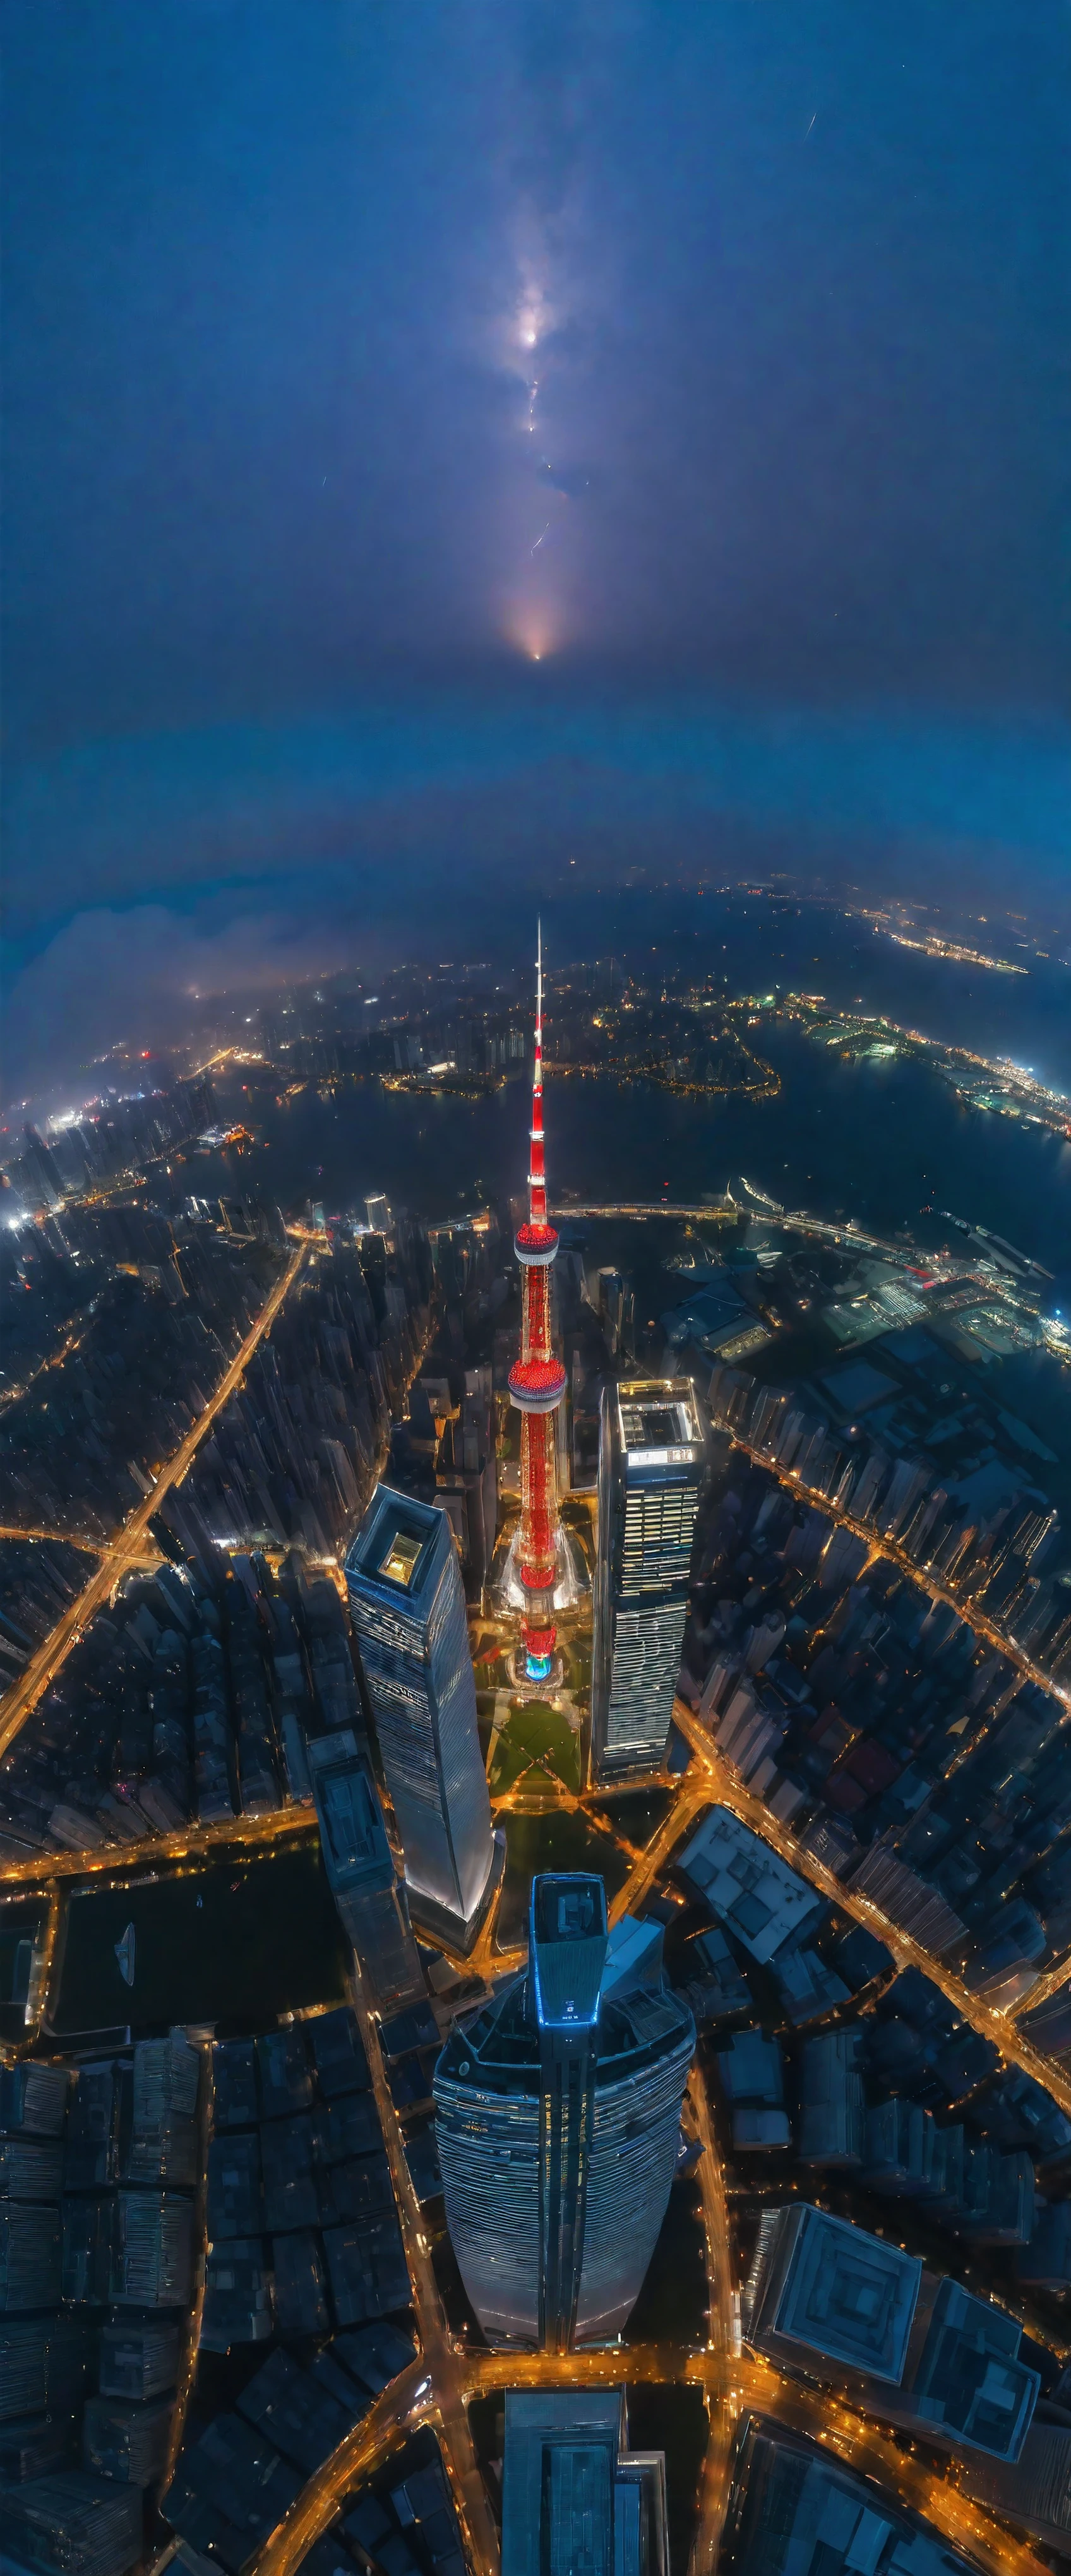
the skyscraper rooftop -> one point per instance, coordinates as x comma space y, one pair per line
754, 1892
831, 2289
575, 2501
568, 1947
969, 2384
408, 1606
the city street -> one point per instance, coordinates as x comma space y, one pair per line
127, 1548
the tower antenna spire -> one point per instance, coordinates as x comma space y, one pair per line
537, 1181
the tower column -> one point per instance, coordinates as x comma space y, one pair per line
537, 1385
566, 2117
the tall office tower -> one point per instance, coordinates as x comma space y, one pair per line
536, 1386
466, 1468
152, 2250
360, 1870
408, 1609
575, 2500
612, 1305
74, 2518
652, 1455
40, 1172
558, 2124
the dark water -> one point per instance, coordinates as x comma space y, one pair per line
882, 1141
879, 1141
762, 946
237, 1941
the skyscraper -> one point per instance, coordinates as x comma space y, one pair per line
559, 2122
360, 1870
40, 1172
408, 1609
575, 2500
537, 1385
651, 1464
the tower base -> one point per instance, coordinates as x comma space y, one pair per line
525, 1685
437, 1922
625, 1763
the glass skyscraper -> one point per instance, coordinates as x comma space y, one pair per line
652, 1456
408, 1608
559, 2122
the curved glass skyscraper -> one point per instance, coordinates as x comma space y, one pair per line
558, 2125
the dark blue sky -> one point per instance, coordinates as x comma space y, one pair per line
713, 351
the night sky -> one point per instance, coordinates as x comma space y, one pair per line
447, 441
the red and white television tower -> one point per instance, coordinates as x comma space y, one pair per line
537, 1385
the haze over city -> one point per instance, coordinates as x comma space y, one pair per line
431, 442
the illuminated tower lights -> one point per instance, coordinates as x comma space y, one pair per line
537, 1385
652, 1460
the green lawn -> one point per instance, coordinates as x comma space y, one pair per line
535, 1732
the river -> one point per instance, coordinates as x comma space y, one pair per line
884, 1141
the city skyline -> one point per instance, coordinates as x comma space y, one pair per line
547, 2125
